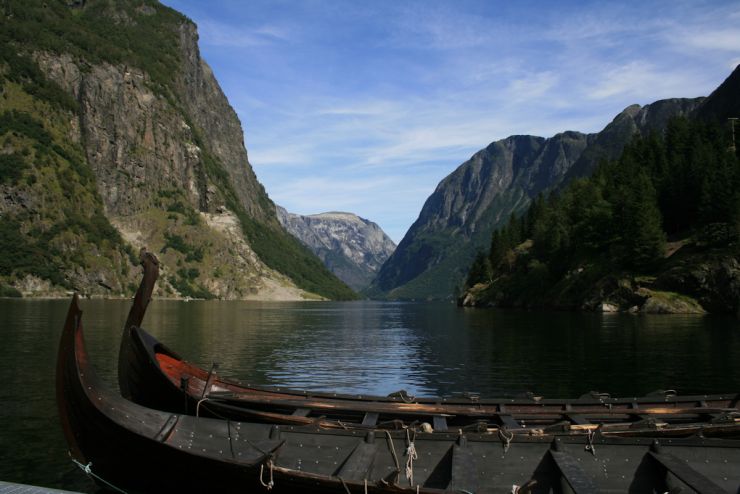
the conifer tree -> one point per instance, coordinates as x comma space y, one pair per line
480, 271
643, 240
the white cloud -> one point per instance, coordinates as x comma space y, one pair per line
380, 101
532, 86
217, 33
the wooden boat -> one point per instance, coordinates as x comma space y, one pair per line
126, 446
155, 376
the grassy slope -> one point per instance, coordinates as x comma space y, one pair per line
115, 32
58, 224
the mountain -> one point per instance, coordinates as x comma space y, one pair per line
634, 119
457, 220
656, 230
724, 102
116, 136
353, 248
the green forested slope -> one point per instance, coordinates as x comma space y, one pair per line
53, 221
654, 220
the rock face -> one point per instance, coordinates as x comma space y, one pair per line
145, 127
458, 219
711, 278
353, 248
138, 143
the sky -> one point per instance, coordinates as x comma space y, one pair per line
365, 106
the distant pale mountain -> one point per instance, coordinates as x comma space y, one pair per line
353, 248
458, 219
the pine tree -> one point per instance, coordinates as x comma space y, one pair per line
498, 249
480, 270
643, 242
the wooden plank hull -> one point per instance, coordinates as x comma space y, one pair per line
137, 448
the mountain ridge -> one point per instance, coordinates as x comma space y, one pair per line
431, 260
656, 230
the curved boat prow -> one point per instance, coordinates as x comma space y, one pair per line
66, 374
135, 317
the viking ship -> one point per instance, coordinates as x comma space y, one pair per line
126, 446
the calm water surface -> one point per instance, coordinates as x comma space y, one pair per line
357, 347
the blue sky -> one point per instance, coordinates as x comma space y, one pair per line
364, 106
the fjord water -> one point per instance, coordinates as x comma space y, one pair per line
357, 347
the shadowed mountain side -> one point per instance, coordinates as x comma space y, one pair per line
724, 102
609, 143
458, 219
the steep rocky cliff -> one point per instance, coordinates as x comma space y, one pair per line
123, 95
353, 248
459, 217
480, 195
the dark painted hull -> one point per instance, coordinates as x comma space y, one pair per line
134, 447
138, 448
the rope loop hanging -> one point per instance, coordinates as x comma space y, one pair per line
267, 485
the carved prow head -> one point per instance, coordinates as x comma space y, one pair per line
136, 315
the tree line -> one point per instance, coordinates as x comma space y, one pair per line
682, 183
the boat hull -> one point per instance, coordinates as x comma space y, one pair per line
137, 448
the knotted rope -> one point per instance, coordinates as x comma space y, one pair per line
410, 457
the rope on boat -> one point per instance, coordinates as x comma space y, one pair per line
393, 452
410, 457
407, 398
344, 484
269, 485
88, 470
404, 395
197, 406
506, 439
590, 445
